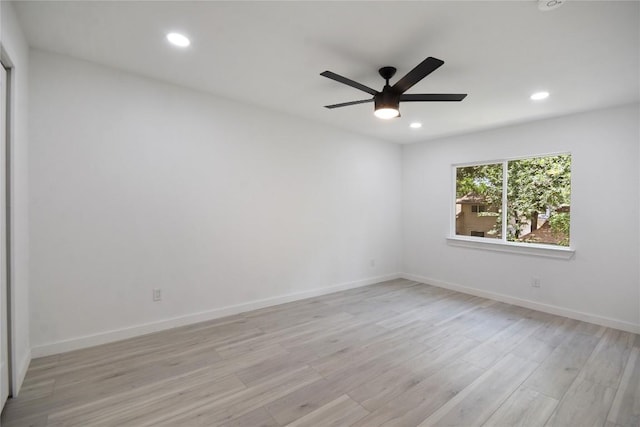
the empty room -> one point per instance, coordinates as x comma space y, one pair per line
331, 213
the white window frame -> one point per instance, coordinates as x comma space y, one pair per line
503, 245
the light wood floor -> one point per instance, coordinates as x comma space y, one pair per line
395, 354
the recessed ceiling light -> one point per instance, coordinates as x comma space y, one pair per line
415, 125
178, 39
539, 95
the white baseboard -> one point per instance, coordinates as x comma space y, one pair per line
547, 308
23, 366
134, 331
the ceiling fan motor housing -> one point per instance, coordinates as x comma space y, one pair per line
388, 98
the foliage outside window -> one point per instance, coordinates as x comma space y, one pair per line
531, 206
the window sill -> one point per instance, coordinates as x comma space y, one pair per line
548, 251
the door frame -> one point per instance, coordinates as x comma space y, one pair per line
5, 61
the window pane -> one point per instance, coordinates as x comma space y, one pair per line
479, 201
538, 200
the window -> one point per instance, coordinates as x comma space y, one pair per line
520, 200
479, 200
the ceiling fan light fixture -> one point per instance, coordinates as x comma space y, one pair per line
387, 106
386, 113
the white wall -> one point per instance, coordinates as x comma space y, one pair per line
15, 53
137, 184
602, 282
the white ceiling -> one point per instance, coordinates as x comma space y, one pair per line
586, 53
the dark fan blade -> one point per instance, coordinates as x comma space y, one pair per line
345, 104
421, 71
432, 97
348, 82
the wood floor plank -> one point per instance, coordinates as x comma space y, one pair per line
556, 330
397, 353
533, 349
608, 360
475, 404
256, 418
37, 390
524, 408
212, 410
284, 335
302, 401
625, 409
351, 358
28, 421
342, 411
559, 370
585, 404
133, 412
380, 389
428, 311
418, 402
329, 344
81, 409
493, 349
495, 319
70, 397
375, 366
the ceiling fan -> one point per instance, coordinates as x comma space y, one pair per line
387, 101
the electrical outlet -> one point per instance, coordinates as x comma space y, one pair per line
535, 282
157, 295
373, 263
